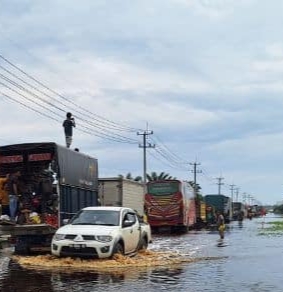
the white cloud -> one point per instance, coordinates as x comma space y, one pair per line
205, 75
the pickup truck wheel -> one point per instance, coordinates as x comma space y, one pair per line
118, 249
143, 244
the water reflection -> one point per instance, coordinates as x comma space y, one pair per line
15, 278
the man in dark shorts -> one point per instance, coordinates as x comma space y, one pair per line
68, 125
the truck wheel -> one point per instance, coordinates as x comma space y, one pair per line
143, 244
22, 249
118, 249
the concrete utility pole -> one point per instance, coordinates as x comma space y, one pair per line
250, 200
219, 184
195, 171
145, 145
237, 194
232, 198
232, 192
244, 197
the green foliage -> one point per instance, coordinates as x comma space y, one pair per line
130, 177
278, 209
272, 228
154, 176
197, 187
150, 177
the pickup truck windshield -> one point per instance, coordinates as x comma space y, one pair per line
96, 217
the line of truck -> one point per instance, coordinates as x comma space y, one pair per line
57, 182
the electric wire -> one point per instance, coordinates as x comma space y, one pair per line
58, 101
121, 127
165, 162
170, 153
57, 120
116, 137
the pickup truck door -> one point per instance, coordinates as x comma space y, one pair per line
131, 234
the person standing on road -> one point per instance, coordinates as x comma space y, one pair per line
4, 195
68, 125
13, 181
220, 224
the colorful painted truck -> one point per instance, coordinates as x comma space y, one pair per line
170, 204
55, 183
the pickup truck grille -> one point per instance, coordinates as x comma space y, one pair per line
85, 252
85, 237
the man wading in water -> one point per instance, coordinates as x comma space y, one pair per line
220, 224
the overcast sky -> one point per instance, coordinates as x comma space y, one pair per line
206, 76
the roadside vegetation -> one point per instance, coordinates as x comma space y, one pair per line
272, 228
278, 209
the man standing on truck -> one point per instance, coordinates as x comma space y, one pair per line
68, 125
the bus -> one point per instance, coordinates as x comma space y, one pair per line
170, 204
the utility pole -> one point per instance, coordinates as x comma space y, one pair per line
219, 184
244, 197
195, 171
232, 198
237, 194
145, 145
250, 200
232, 191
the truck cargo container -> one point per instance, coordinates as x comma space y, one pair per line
201, 219
55, 183
239, 211
121, 192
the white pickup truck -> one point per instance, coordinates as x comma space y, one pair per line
101, 232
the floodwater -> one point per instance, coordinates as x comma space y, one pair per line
246, 260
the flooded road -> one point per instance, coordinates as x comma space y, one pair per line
249, 259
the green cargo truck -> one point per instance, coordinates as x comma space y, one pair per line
220, 203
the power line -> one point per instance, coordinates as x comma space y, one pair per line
107, 121
105, 134
171, 155
86, 130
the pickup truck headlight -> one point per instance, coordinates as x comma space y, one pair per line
104, 238
59, 236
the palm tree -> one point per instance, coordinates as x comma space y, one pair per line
154, 176
197, 188
130, 177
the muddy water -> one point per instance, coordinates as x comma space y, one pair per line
245, 261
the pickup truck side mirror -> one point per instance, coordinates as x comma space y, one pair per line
66, 221
128, 223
